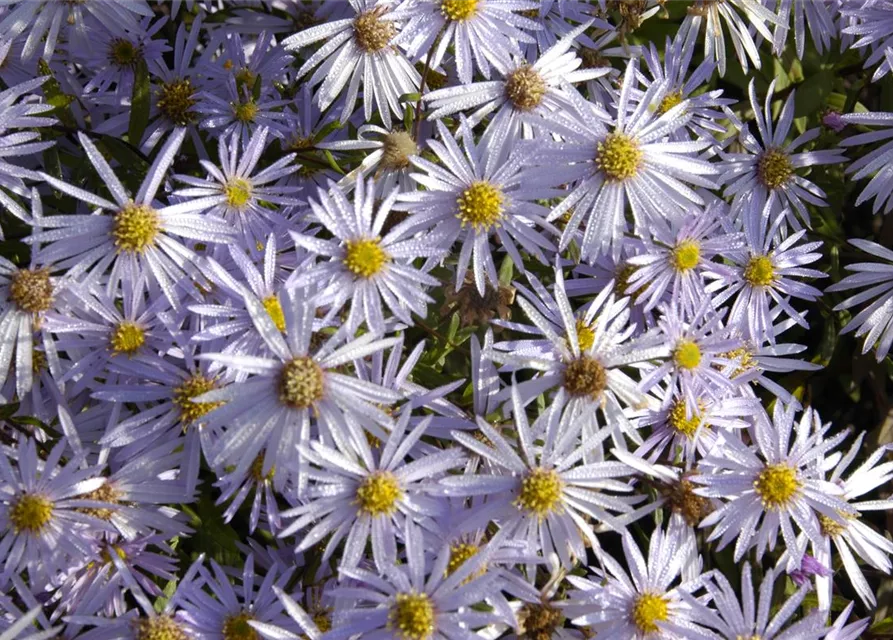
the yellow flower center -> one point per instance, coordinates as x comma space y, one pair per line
30, 512
193, 387
684, 501
648, 610
365, 258
458, 9
682, 424
301, 383
480, 205
774, 168
371, 33
585, 376
379, 493
671, 100
245, 78
525, 88
618, 157
38, 361
127, 338
585, 335
459, 553
777, 485
237, 192
158, 628
540, 492
759, 271
830, 527
323, 621
274, 310
31, 290
398, 146
686, 255
412, 616
175, 101
236, 627
135, 227
123, 53
621, 279
106, 554
687, 354
245, 111
539, 621
257, 470
106, 493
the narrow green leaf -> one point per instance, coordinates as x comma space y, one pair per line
139, 103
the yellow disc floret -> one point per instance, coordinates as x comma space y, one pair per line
648, 610
777, 485
371, 33
480, 206
379, 493
686, 255
274, 310
245, 111
135, 227
459, 9
127, 338
175, 101
585, 335
671, 100
123, 53
774, 168
759, 271
107, 493
412, 616
237, 192
301, 383
31, 290
687, 354
161, 627
680, 422
30, 513
525, 88
618, 157
236, 627
585, 376
365, 258
540, 492
193, 387
397, 147
459, 553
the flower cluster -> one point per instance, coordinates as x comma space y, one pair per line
445, 319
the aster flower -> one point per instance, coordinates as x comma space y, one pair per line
41, 526
483, 32
740, 17
877, 160
388, 160
271, 410
749, 617
631, 166
355, 497
236, 59
21, 110
840, 630
414, 602
773, 485
643, 603
249, 199
482, 193
872, 25
238, 112
671, 266
817, 17
763, 274
875, 321
235, 488
769, 165
131, 235
363, 266
359, 49
115, 56
542, 494
526, 90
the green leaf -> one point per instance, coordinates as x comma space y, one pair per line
814, 93
139, 103
60, 100
213, 536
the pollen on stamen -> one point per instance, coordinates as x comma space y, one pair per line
274, 309
774, 168
238, 193
301, 383
193, 387
777, 485
107, 493
379, 493
30, 513
162, 627
123, 53
481, 206
459, 554
686, 255
365, 258
371, 33
412, 616
127, 338
236, 627
135, 228
680, 422
175, 101
459, 10
397, 148
618, 157
687, 354
245, 111
585, 334
31, 290
525, 88
670, 100
585, 376
648, 610
759, 271
540, 492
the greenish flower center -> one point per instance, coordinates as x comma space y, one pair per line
127, 338
30, 513
193, 387
175, 101
774, 168
686, 255
759, 271
687, 354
